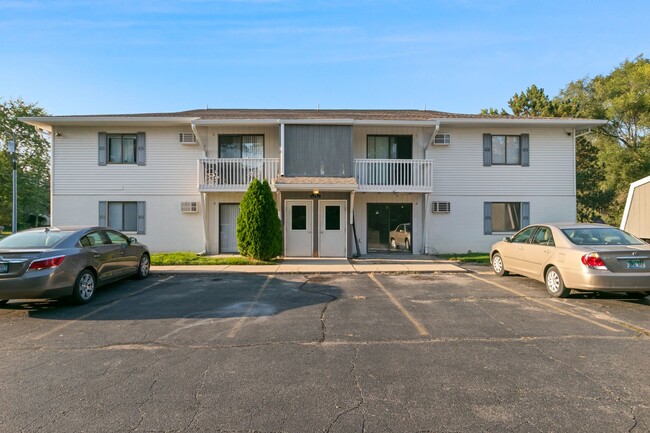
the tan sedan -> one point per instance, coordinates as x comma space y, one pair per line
594, 257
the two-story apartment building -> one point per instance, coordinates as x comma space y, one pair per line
346, 181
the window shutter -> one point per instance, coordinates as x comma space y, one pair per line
524, 150
141, 149
487, 150
102, 214
525, 214
141, 217
487, 218
102, 148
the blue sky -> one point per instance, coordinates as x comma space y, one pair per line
114, 56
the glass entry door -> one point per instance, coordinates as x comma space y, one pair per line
390, 227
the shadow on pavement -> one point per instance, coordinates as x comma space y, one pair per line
188, 296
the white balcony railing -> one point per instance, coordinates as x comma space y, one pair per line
399, 175
235, 174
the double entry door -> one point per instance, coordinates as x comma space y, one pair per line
331, 228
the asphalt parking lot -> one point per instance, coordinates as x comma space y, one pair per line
333, 353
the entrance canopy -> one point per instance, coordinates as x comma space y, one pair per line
316, 184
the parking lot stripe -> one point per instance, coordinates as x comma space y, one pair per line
240, 323
422, 331
546, 304
98, 310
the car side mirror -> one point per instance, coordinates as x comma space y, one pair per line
507, 239
132, 240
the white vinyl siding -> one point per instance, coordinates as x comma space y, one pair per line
458, 169
171, 168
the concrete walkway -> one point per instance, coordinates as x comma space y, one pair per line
321, 265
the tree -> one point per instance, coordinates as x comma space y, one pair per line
532, 103
259, 233
623, 144
33, 168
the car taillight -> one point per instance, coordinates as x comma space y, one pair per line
52, 262
593, 260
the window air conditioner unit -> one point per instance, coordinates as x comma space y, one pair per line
187, 138
441, 207
189, 207
442, 139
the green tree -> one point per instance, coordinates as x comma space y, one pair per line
33, 168
259, 233
622, 146
534, 102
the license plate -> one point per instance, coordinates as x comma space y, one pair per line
4, 268
636, 264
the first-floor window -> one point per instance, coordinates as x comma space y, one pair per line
127, 216
505, 216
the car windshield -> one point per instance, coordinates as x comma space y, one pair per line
600, 236
37, 239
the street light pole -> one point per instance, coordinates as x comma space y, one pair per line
14, 196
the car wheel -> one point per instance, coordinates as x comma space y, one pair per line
143, 267
393, 243
407, 245
498, 267
555, 284
84, 287
3, 301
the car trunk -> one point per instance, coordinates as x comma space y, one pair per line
626, 259
14, 263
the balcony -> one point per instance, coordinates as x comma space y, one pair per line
394, 175
234, 174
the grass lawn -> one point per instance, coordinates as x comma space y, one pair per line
482, 258
183, 258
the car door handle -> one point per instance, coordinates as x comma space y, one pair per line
121, 253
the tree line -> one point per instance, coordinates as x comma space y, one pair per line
33, 166
613, 155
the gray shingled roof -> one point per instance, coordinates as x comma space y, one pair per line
227, 114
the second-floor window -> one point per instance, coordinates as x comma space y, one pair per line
122, 148
390, 147
241, 146
502, 149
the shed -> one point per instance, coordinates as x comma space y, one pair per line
636, 217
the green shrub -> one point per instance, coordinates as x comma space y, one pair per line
259, 233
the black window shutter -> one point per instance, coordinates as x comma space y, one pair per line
141, 217
525, 144
525, 214
102, 213
487, 150
103, 152
487, 218
141, 148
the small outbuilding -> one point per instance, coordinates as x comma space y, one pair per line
636, 217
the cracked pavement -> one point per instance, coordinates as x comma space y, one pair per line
315, 353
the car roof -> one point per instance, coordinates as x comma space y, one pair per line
71, 229
575, 225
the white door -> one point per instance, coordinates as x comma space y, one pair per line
332, 228
298, 233
228, 214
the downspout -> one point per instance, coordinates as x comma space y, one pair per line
427, 196
203, 194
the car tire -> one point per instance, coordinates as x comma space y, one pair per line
84, 287
498, 267
393, 244
3, 301
555, 284
407, 245
637, 295
144, 267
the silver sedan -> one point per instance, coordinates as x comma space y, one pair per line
594, 257
54, 262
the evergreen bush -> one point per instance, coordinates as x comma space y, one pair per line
259, 233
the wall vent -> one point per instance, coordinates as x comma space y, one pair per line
187, 138
189, 207
441, 207
442, 139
